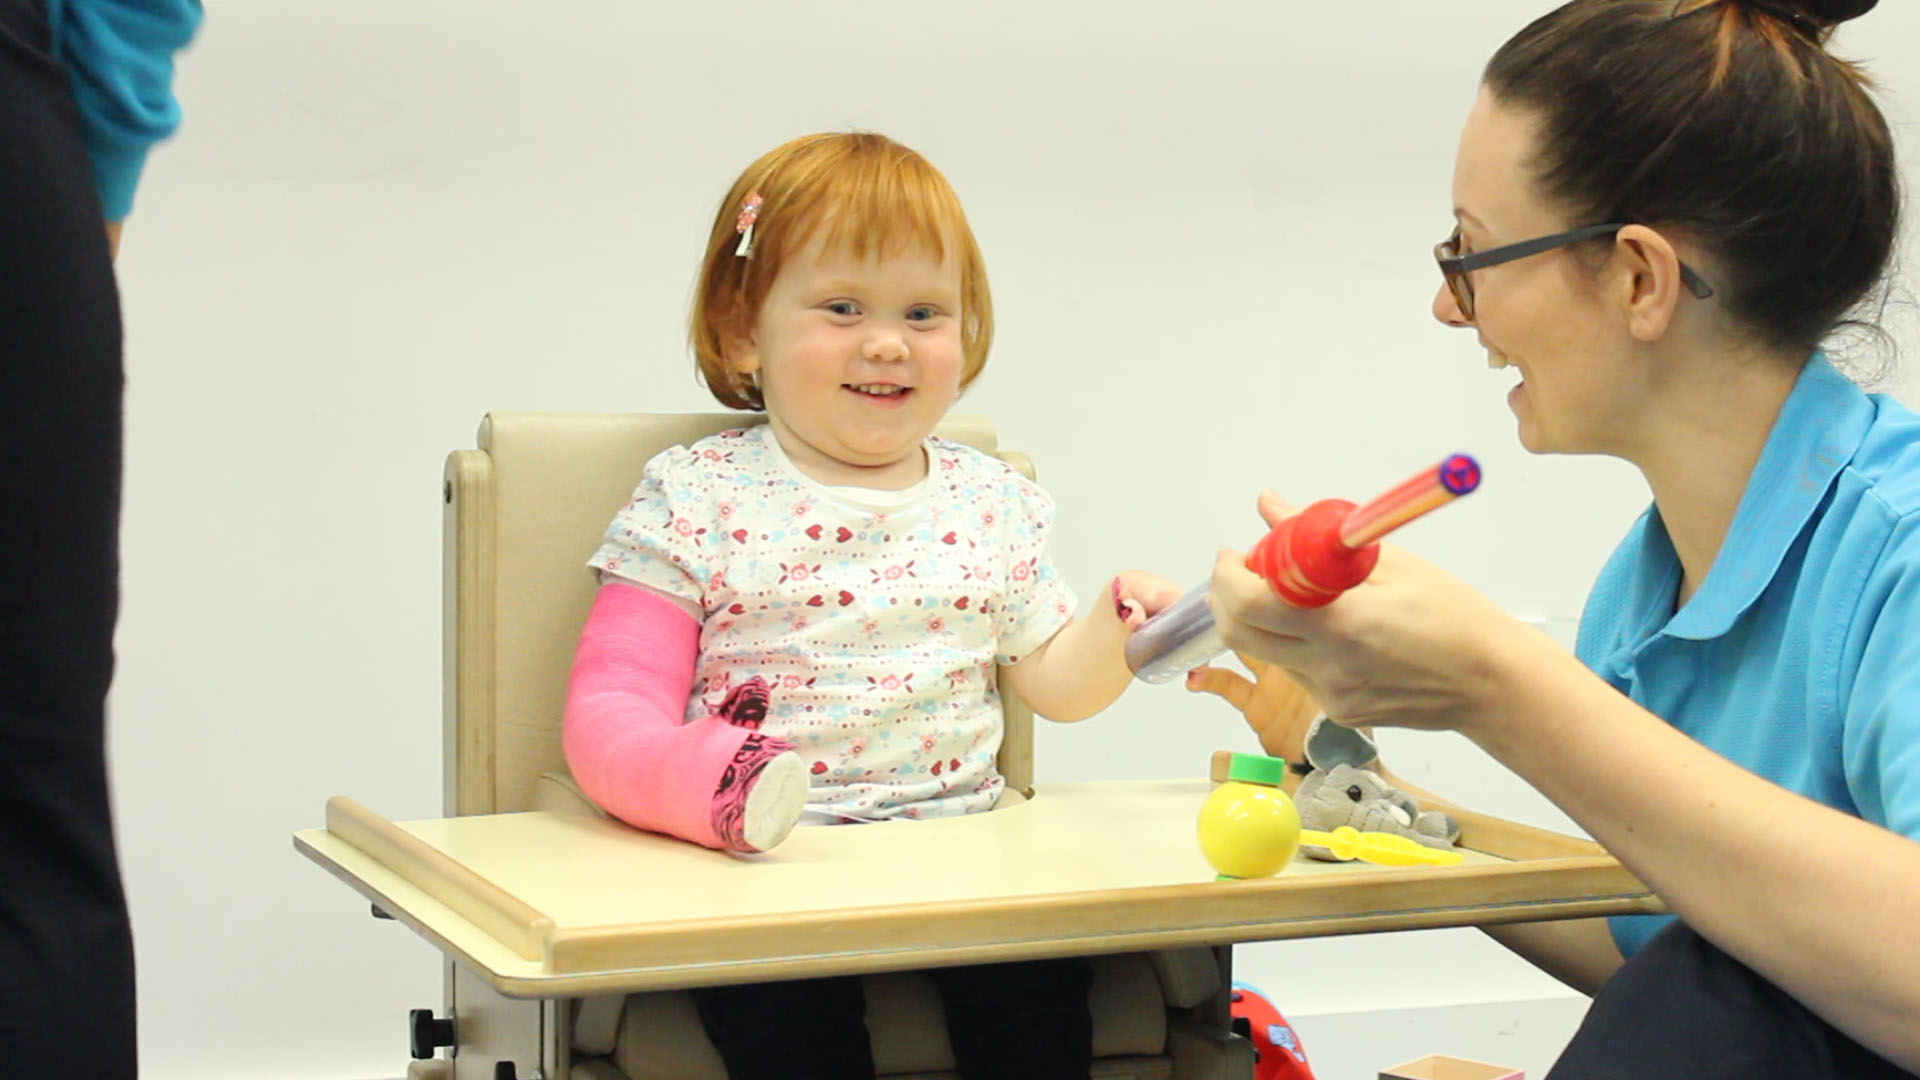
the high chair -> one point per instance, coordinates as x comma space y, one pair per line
571, 939
523, 514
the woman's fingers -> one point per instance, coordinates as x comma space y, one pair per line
1276, 706
1242, 600
1231, 686
1274, 509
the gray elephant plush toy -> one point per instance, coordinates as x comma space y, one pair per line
1341, 789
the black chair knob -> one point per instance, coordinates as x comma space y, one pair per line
427, 1033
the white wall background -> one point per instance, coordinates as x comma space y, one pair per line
1208, 227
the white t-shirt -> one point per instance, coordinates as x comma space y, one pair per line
875, 617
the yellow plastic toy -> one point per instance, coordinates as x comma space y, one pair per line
1248, 827
1383, 849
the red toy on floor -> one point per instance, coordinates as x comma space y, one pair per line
1279, 1053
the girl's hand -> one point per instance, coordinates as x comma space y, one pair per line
1138, 595
1275, 707
1409, 647
1083, 668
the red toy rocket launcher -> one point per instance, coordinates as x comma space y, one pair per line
1331, 546
1309, 559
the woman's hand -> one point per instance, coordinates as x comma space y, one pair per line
1275, 707
1409, 647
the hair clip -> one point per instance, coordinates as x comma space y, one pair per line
743, 224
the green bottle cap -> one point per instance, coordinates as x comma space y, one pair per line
1257, 769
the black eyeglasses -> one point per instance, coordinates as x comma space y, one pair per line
1454, 266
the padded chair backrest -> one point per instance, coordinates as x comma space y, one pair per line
523, 514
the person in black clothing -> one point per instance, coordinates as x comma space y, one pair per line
68, 161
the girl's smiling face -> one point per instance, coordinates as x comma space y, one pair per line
858, 359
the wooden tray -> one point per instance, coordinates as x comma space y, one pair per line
550, 905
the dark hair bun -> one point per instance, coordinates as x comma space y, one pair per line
1822, 12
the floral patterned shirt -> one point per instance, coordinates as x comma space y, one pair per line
874, 617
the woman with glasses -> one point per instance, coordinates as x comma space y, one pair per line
1662, 210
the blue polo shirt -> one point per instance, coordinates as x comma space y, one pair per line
1798, 657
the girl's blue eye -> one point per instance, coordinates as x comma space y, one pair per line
920, 314
843, 307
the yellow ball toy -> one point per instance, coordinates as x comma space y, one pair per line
1248, 827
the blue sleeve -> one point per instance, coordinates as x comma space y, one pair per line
119, 54
1881, 739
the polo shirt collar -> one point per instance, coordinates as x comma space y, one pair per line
1819, 428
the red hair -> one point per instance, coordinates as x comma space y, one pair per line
871, 195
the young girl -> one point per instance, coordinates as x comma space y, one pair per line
800, 620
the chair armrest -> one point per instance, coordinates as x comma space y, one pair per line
596, 1023
1202, 1052
1187, 976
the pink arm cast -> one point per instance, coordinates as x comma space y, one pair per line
623, 735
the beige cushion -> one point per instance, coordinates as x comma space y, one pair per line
557, 792
1187, 976
596, 1023
1129, 1013
661, 1039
